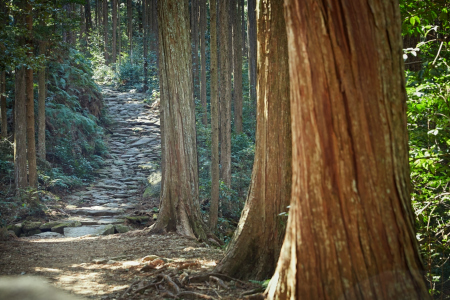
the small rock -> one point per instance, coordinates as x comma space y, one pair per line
48, 226
99, 261
138, 219
150, 258
17, 228
60, 228
109, 229
33, 232
121, 228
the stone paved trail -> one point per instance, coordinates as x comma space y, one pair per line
135, 150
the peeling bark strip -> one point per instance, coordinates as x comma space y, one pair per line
350, 229
180, 208
253, 252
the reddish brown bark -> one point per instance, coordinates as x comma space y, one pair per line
255, 247
350, 230
214, 207
180, 208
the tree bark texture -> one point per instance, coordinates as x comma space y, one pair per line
20, 131
214, 207
254, 249
130, 27
105, 30
350, 232
114, 31
41, 153
194, 36
3, 104
225, 95
180, 208
251, 31
31, 142
119, 33
144, 21
88, 17
203, 61
237, 68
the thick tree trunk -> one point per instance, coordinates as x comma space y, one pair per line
254, 249
20, 131
180, 208
130, 27
105, 30
225, 95
3, 104
251, 31
41, 106
203, 61
31, 142
243, 26
237, 67
350, 232
214, 207
114, 31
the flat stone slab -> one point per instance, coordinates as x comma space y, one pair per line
98, 211
48, 234
142, 142
88, 230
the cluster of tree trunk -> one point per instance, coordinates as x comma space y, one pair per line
349, 234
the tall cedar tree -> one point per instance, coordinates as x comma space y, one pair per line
180, 208
251, 31
225, 95
194, 36
31, 142
237, 66
41, 153
130, 27
214, 207
254, 249
20, 131
350, 232
105, 30
203, 61
145, 25
114, 31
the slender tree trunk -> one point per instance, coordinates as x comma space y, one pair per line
237, 68
96, 13
105, 30
225, 96
350, 232
114, 31
180, 208
41, 106
3, 104
20, 131
82, 23
31, 142
203, 61
194, 36
254, 249
119, 32
214, 207
251, 7
243, 26
130, 27
88, 17
144, 21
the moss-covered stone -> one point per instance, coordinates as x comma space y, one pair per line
48, 226
17, 228
138, 219
30, 226
121, 228
109, 229
33, 232
60, 228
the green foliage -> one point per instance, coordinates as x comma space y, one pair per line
429, 132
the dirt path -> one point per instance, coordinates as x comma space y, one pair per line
91, 261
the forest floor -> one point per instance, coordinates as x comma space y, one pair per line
129, 265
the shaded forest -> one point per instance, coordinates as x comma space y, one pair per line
305, 144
